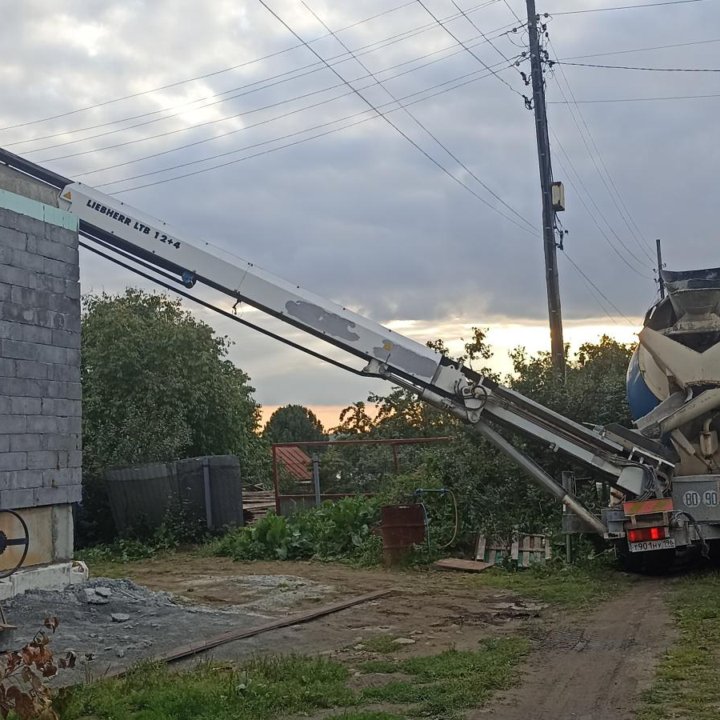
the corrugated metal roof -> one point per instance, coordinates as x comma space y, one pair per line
297, 462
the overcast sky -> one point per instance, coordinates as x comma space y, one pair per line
361, 214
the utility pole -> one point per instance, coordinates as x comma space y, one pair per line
661, 282
557, 346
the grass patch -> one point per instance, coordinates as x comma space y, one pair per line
383, 644
280, 687
686, 682
572, 586
366, 715
452, 681
262, 689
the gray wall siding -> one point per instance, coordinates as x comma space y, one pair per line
40, 394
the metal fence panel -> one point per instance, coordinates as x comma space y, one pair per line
209, 488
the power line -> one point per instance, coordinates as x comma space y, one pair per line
585, 277
270, 120
632, 67
378, 113
616, 199
280, 78
473, 78
624, 7
597, 289
408, 33
442, 24
374, 108
303, 140
510, 8
591, 198
642, 49
206, 75
602, 232
639, 99
243, 113
421, 125
475, 25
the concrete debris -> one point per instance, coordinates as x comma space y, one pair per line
98, 628
92, 598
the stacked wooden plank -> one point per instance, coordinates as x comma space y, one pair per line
256, 504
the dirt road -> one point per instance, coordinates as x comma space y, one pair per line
594, 669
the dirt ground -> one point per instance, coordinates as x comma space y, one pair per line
594, 666
585, 665
436, 610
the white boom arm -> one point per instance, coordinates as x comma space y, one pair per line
630, 460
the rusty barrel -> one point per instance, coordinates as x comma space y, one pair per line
402, 527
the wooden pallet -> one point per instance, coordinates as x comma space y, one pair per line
524, 549
529, 550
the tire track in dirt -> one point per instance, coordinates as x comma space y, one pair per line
594, 668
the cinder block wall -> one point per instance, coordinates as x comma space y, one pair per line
40, 395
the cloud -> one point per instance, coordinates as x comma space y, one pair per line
361, 215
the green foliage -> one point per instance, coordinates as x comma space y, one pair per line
445, 684
593, 389
493, 494
333, 531
177, 528
261, 689
685, 684
157, 386
121, 551
293, 423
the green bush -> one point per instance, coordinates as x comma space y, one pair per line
334, 531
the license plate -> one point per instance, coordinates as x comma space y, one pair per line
666, 544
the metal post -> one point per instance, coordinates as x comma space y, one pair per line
557, 346
316, 478
396, 462
276, 480
568, 480
208, 495
661, 282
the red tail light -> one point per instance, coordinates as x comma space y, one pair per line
645, 534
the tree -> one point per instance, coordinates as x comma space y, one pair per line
354, 420
157, 386
293, 423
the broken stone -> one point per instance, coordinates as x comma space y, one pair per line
103, 592
120, 652
120, 617
91, 598
359, 646
403, 641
